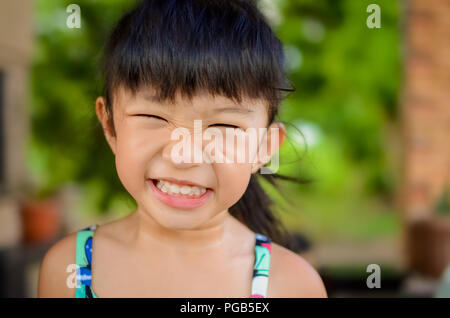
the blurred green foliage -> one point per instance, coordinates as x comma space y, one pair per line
443, 203
341, 120
348, 80
67, 143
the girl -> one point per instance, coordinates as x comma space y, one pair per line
201, 229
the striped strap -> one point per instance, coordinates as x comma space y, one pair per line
261, 267
83, 261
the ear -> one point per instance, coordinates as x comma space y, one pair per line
275, 128
102, 115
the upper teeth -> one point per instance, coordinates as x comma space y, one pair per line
172, 188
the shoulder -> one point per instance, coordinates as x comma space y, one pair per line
291, 276
56, 268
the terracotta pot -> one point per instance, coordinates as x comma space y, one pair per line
41, 220
429, 245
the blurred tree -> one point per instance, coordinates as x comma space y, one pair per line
347, 78
67, 143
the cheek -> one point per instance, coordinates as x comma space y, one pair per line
134, 152
239, 148
232, 180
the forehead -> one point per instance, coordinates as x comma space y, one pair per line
200, 102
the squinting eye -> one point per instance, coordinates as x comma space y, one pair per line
151, 116
227, 125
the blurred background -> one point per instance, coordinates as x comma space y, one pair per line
369, 123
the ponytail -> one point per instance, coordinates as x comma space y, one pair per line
253, 209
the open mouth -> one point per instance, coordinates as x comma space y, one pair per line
180, 196
180, 190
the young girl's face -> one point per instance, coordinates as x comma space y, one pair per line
143, 152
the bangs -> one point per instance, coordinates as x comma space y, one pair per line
224, 47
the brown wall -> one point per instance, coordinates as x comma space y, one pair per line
426, 106
15, 51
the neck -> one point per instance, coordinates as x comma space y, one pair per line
209, 235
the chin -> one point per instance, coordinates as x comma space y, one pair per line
174, 219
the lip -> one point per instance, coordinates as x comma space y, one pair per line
180, 202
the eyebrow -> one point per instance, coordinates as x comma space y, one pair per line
239, 110
233, 110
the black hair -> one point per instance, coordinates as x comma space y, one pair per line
224, 47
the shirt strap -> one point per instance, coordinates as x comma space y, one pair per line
83, 259
261, 267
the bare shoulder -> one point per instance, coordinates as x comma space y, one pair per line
55, 269
291, 276
58, 267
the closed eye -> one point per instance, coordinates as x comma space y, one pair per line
151, 116
227, 125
